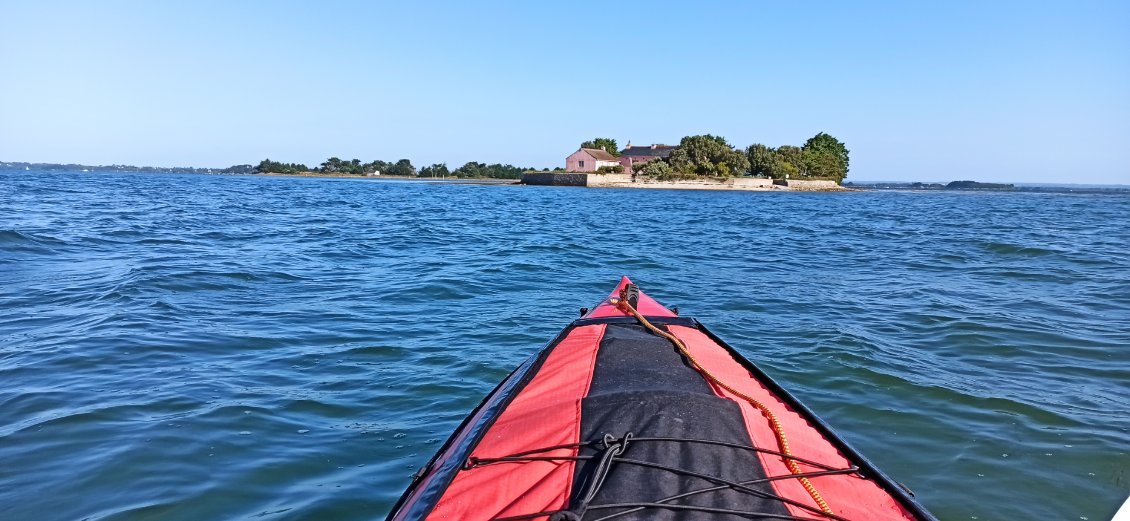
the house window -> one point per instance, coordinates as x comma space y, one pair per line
581, 164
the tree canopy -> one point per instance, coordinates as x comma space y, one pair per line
336, 165
435, 170
500, 171
825, 156
658, 169
822, 156
762, 160
267, 166
708, 155
793, 158
603, 143
402, 168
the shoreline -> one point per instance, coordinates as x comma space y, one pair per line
435, 180
622, 180
697, 185
644, 185
332, 176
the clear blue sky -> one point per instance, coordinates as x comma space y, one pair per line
992, 91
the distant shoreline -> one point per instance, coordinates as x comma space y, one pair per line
335, 176
449, 179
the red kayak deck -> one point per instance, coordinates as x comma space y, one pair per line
611, 421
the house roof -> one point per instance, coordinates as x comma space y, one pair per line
647, 151
600, 154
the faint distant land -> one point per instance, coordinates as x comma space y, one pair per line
704, 162
952, 185
974, 185
71, 167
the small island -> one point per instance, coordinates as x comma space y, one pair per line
703, 162
976, 185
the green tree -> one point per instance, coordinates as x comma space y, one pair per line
603, 143
499, 171
791, 161
331, 165
763, 160
435, 170
656, 169
353, 167
267, 166
708, 155
825, 156
785, 169
470, 169
376, 166
823, 164
402, 168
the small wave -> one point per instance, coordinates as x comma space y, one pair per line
156, 241
321, 409
382, 352
437, 290
17, 239
14, 237
1004, 248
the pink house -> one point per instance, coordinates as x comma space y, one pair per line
638, 155
589, 160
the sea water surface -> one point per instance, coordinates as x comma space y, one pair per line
204, 347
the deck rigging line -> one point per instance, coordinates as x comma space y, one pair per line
612, 452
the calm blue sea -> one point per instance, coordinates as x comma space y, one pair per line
205, 347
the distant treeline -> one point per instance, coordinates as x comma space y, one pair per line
975, 185
72, 167
336, 165
401, 168
992, 187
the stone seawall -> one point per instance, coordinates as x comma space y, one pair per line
574, 179
555, 179
806, 184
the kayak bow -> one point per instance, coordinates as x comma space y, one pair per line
633, 413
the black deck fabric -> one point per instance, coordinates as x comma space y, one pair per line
642, 385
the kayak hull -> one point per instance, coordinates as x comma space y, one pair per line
610, 419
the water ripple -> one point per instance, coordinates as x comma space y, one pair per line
198, 347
